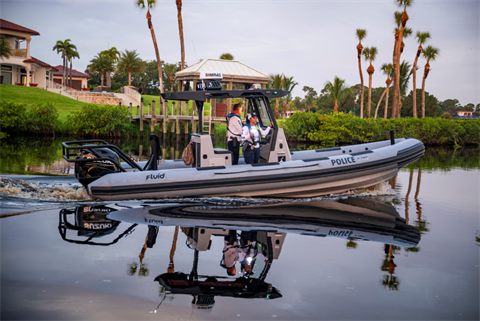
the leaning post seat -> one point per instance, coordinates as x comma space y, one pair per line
206, 155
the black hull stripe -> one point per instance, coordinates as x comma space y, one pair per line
400, 160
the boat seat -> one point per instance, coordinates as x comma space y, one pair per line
220, 151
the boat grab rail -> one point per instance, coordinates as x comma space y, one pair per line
92, 145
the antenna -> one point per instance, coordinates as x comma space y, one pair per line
195, 50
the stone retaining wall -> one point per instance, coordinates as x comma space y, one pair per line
95, 98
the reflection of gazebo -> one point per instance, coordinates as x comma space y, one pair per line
234, 73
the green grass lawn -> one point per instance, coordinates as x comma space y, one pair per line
34, 96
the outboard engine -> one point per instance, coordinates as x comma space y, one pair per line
89, 170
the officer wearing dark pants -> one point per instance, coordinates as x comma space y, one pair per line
234, 131
251, 134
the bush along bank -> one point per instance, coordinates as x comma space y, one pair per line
338, 129
92, 121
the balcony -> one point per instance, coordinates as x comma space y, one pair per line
19, 53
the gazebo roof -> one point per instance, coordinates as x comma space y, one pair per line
233, 71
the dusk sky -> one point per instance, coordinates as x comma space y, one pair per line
313, 41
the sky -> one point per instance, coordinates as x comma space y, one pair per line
313, 41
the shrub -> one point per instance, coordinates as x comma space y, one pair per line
43, 118
99, 120
446, 115
13, 117
338, 128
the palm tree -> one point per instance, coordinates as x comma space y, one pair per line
387, 70
361, 34
150, 5
130, 62
422, 37
430, 53
370, 54
396, 53
405, 73
170, 70
275, 82
5, 48
288, 84
336, 90
180, 31
64, 47
101, 63
70, 55
114, 54
226, 56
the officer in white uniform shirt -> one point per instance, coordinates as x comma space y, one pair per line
251, 135
234, 131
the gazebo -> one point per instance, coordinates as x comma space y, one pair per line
234, 72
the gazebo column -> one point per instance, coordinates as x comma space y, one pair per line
229, 100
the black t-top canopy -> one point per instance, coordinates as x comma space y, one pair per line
205, 94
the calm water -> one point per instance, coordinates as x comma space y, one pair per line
407, 252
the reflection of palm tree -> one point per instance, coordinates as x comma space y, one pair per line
420, 224
408, 194
391, 282
351, 244
171, 266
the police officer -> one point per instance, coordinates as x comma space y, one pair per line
234, 131
251, 134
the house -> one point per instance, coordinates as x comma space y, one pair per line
79, 79
462, 114
21, 68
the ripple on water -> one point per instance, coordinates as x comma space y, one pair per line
52, 192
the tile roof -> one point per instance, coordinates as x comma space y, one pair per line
75, 73
7, 25
36, 61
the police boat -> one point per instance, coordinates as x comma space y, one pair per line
109, 174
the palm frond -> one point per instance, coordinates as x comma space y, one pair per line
361, 34
422, 37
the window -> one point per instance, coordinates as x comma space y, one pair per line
9, 68
262, 111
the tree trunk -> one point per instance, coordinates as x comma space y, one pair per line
171, 83
129, 78
109, 79
425, 75
414, 70
157, 53
277, 101
370, 71
396, 65
284, 107
71, 67
359, 55
101, 80
335, 108
385, 113
381, 97
180, 31
64, 68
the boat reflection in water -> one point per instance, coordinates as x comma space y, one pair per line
89, 223
254, 235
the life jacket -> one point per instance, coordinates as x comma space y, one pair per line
228, 123
259, 132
